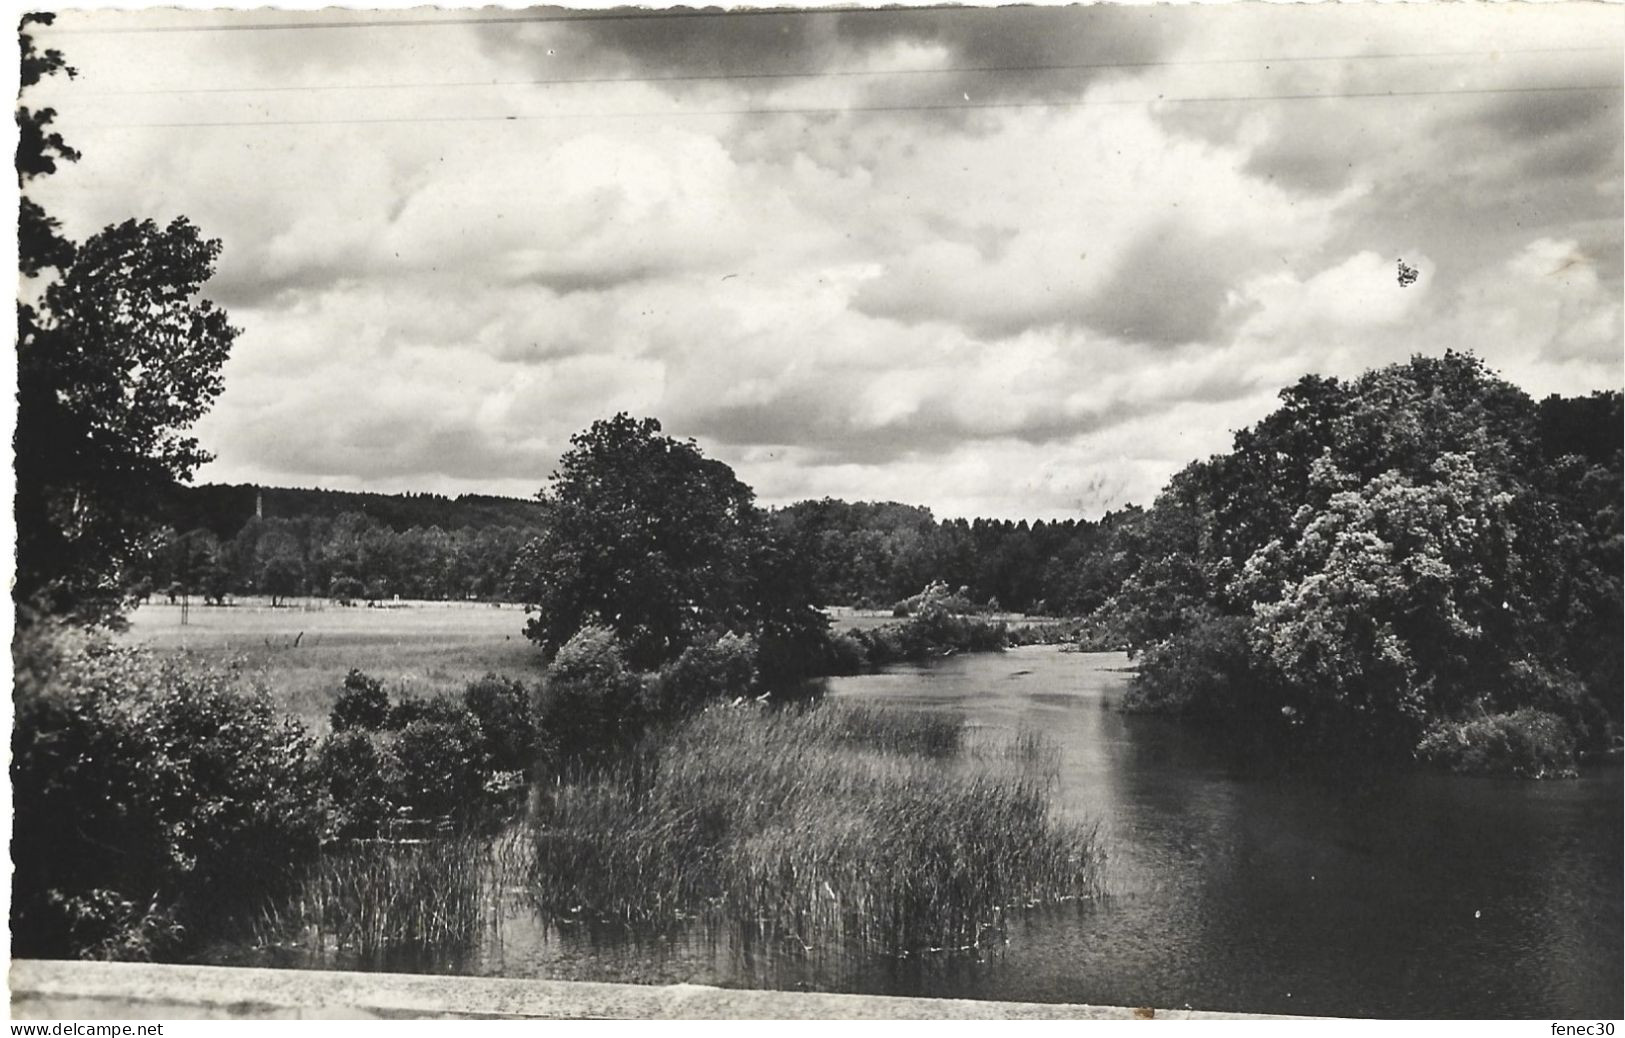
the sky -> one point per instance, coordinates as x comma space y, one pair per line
1016, 263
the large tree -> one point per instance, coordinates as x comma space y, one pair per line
656, 542
116, 358
1421, 543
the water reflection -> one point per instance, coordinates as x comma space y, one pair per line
1241, 885
1232, 883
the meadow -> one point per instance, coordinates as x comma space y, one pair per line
300, 651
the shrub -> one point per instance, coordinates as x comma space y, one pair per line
361, 775
937, 598
722, 669
934, 632
345, 590
440, 709
1200, 671
847, 653
363, 703
589, 704
155, 800
1529, 743
442, 768
429, 759
503, 709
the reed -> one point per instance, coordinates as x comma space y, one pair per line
822, 828
376, 898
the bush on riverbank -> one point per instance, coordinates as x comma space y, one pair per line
821, 825
920, 638
1528, 743
722, 669
426, 759
153, 798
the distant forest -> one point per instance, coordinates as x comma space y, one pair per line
866, 554
222, 540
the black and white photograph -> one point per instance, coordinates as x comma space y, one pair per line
1096, 512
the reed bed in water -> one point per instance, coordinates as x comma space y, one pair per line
827, 827
378, 897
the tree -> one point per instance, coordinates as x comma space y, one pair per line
40, 244
119, 359
345, 590
647, 537
281, 576
1421, 543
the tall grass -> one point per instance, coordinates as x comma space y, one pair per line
825, 828
376, 898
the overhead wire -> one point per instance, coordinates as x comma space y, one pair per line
1266, 60
724, 76
847, 109
576, 16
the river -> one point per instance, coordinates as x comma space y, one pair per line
1232, 884
1238, 887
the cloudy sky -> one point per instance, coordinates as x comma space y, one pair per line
1016, 263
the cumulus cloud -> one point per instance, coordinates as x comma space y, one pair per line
450, 247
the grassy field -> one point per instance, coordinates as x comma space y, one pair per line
301, 651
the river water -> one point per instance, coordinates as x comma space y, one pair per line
1232, 884
1236, 885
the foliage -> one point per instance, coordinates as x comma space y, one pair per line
847, 653
869, 553
116, 359
40, 244
646, 537
437, 709
936, 598
118, 363
1526, 742
649, 538
589, 706
362, 703
1204, 668
820, 824
932, 633
428, 546
442, 766
361, 776
154, 799
723, 669
224, 509
507, 730
1422, 544
345, 589
425, 759
281, 577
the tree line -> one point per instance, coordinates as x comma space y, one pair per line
223, 509
351, 558
875, 555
